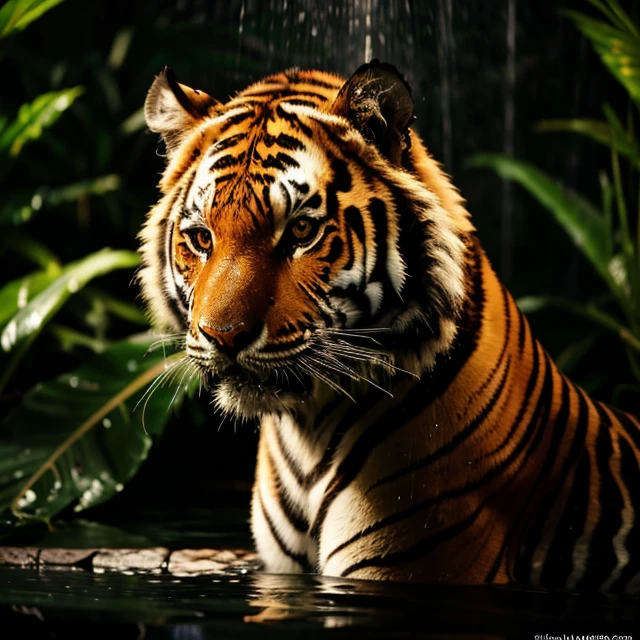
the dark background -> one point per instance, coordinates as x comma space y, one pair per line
482, 73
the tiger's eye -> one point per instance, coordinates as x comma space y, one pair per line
302, 229
201, 239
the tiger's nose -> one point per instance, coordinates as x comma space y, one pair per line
231, 338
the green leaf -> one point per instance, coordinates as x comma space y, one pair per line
597, 130
616, 14
16, 15
532, 304
30, 319
618, 48
17, 293
579, 218
70, 338
19, 207
35, 116
77, 439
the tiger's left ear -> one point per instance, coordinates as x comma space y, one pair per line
377, 101
173, 109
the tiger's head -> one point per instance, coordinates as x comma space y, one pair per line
304, 237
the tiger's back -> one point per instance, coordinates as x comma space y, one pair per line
432, 438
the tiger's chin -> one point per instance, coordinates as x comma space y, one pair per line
246, 396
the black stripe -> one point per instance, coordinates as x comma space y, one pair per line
314, 202
630, 425
226, 143
288, 204
227, 161
426, 545
335, 250
292, 464
462, 435
301, 187
341, 175
378, 213
576, 451
301, 559
280, 161
293, 515
526, 402
294, 121
353, 219
351, 254
498, 363
317, 83
602, 557
283, 346
429, 388
558, 562
283, 140
534, 533
303, 103
524, 329
630, 472
234, 120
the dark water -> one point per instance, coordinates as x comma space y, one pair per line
238, 605
240, 601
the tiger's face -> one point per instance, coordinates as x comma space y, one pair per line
280, 238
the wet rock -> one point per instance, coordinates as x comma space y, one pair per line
130, 559
65, 556
20, 556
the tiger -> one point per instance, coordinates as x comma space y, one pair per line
326, 280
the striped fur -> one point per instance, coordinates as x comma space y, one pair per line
412, 428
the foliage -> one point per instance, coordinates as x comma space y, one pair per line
608, 236
72, 358
76, 439
16, 15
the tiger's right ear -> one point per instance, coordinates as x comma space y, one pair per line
173, 109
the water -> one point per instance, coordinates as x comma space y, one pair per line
235, 604
234, 599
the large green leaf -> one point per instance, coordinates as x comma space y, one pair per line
35, 116
579, 218
19, 206
617, 44
16, 15
31, 317
79, 438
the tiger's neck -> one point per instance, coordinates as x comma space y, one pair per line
469, 434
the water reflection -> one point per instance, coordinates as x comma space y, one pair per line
237, 601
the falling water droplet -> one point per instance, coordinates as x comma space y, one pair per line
28, 498
9, 336
36, 202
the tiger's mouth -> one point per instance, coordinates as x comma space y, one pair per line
274, 381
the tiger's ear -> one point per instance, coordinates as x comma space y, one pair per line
377, 101
173, 109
